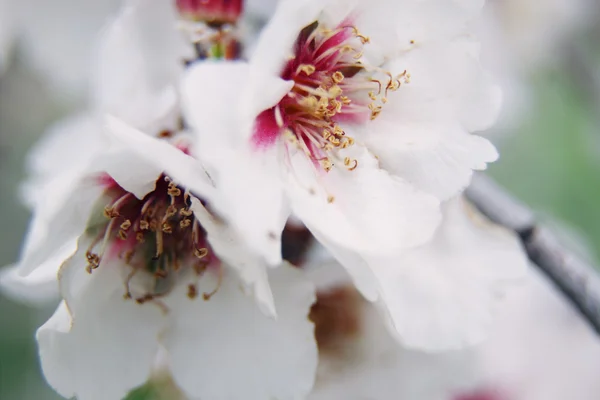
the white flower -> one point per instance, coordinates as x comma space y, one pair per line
360, 358
315, 123
540, 347
131, 80
145, 268
154, 269
442, 295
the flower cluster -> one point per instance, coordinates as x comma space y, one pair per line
172, 218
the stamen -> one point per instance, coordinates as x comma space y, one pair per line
207, 296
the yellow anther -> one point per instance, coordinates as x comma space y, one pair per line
326, 164
171, 211
308, 69
330, 199
335, 91
350, 163
337, 77
126, 225
201, 253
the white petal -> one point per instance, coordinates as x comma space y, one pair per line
442, 295
67, 147
56, 227
156, 157
277, 39
230, 350
436, 158
363, 278
209, 85
447, 84
234, 252
38, 288
366, 209
108, 346
238, 171
139, 60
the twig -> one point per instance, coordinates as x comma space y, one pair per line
575, 278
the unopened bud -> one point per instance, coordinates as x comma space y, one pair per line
211, 11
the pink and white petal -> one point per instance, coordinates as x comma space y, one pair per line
151, 158
276, 42
38, 288
107, 345
231, 250
230, 350
209, 85
366, 210
436, 158
237, 170
442, 295
253, 201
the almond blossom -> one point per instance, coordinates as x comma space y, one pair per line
144, 266
355, 116
130, 81
155, 270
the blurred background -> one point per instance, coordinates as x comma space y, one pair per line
546, 53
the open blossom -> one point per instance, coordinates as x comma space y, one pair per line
354, 116
154, 270
132, 81
143, 265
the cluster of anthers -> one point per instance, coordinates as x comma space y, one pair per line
331, 86
157, 234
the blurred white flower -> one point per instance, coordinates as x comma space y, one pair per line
57, 38
315, 123
442, 295
540, 348
360, 359
531, 32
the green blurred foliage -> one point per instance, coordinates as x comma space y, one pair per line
552, 162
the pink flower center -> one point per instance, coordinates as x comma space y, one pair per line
157, 234
332, 86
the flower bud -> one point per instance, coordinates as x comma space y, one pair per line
211, 11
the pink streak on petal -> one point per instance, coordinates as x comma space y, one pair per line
266, 130
482, 394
